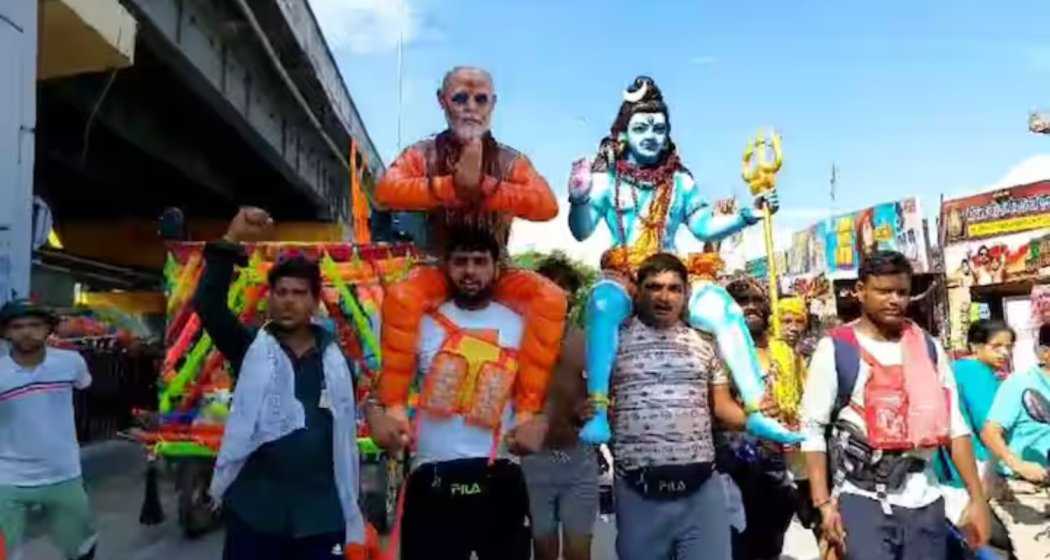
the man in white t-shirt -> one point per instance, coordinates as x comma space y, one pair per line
39, 455
466, 493
886, 504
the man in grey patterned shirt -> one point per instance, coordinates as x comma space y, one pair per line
668, 504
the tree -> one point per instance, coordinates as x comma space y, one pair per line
532, 259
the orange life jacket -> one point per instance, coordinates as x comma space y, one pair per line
471, 375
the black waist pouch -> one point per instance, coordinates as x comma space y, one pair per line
465, 478
668, 482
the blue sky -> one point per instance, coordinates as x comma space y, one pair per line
906, 97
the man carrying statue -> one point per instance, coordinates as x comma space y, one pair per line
463, 177
640, 189
480, 337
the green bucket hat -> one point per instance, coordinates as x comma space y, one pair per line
20, 308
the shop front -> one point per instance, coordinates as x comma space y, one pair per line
997, 261
823, 261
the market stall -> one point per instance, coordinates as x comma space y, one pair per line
112, 331
997, 261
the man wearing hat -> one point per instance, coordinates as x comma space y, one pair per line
39, 455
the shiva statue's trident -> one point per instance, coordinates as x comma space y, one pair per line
762, 160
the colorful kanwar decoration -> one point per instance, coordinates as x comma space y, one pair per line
195, 385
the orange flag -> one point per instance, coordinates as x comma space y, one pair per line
359, 209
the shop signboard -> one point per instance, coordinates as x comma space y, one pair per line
998, 237
997, 213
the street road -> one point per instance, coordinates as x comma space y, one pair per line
114, 472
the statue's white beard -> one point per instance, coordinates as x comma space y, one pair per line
467, 132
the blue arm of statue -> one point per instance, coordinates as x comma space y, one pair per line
711, 309
706, 226
702, 220
589, 201
584, 218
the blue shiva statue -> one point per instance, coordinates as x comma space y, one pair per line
639, 188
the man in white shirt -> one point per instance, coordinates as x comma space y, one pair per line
466, 493
39, 455
886, 504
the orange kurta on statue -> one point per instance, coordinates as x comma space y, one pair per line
413, 184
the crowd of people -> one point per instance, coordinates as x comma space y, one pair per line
720, 429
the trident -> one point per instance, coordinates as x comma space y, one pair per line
762, 160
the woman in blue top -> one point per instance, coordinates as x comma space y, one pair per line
991, 344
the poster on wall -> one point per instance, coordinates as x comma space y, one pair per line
997, 260
1017, 312
837, 245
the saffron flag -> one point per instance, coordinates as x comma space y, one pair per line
359, 210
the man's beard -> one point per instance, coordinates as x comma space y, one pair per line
757, 328
474, 300
30, 347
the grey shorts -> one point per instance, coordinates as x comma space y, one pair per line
695, 527
563, 488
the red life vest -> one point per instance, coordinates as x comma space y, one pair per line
887, 403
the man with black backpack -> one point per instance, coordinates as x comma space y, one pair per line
880, 399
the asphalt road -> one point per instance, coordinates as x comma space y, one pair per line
114, 472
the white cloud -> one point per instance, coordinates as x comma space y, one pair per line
555, 234
1031, 170
367, 26
803, 213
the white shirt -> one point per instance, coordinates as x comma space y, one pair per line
38, 437
919, 489
447, 439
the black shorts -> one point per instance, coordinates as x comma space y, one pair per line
454, 508
770, 501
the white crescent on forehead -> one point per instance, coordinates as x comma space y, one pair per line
636, 96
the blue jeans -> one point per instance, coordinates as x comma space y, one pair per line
908, 534
692, 528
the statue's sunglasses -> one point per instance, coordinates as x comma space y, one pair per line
462, 98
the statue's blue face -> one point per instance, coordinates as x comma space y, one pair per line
647, 138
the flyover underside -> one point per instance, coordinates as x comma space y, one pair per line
147, 142
202, 121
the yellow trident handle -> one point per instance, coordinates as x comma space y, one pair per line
763, 158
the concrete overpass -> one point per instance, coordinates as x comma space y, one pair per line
226, 102
203, 105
